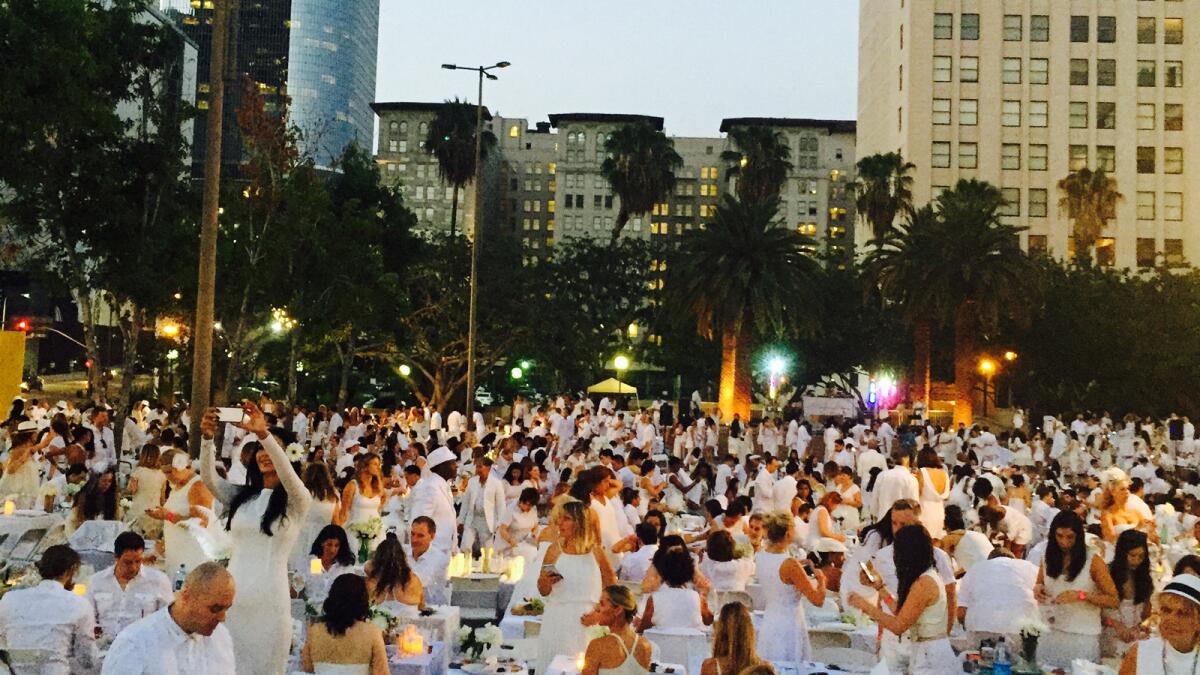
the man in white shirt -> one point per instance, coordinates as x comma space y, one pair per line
432, 497
482, 506
127, 591
103, 441
869, 459
891, 485
428, 562
51, 619
997, 596
186, 638
299, 424
764, 483
786, 489
1135, 502
635, 564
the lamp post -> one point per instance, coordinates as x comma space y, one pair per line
471, 321
621, 363
988, 368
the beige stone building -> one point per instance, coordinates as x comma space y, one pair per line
1021, 92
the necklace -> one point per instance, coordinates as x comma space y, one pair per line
1195, 657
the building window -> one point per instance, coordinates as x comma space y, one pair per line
1079, 71
968, 68
1011, 71
1037, 202
1106, 29
404, 127
969, 28
1010, 113
968, 155
1173, 74
943, 26
943, 66
1038, 154
1173, 160
1039, 71
1078, 158
1145, 116
1145, 252
1172, 206
1173, 31
1147, 30
1106, 251
1147, 75
393, 145
1012, 27
1078, 114
1106, 115
1145, 206
968, 112
1106, 72
941, 155
1173, 252
1038, 113
1106, 158
1039, 28
1037, 243
1010, 156
1012, 202
1173, 116
1080, 28
941, 111
1145, 159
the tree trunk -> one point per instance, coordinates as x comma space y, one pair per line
965, 356
347, 366
130, 332
735, 374
454, 211
922, 354
234, 369
622, 219
293, 349
95, 389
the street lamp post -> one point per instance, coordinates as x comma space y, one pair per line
471, 320
988, 368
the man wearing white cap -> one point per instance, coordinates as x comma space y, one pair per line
1176, 650
431, 497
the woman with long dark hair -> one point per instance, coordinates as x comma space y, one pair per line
333, 550
921, 597
1073, 585
96, 501
390, 580
265, 518
324, 510
1130, 571
344, 640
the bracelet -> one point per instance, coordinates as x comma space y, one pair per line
1082, 596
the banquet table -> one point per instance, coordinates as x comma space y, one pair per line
14, 527
564, 664
430, 663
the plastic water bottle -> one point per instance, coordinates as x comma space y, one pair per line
179, 577
1002, 660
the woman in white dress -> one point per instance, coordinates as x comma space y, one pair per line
922, 603
674, 606
934, 491
364, 496
146, 486
1073, 586
188, 506
265, 517
519, 527
1130, 572
573, 572
325, 510
21, 479
721, 565
783, 633
344, 641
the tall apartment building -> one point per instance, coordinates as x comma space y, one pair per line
1020, 93
320, 53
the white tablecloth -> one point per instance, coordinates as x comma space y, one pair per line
13, 527
431, 663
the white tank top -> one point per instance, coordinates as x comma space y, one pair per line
1080, 618
630, 665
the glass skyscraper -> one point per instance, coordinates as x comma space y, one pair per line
320, 53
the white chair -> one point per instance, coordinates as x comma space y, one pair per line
688, 647
849, 660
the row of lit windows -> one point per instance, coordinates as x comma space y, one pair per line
535, 224
1146, 253
536, 168
1039, 28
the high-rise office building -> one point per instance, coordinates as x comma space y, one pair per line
320, 53
1022, 92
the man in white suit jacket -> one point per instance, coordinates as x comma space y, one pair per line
432, 497
482, 506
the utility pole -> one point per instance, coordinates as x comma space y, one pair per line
224, 12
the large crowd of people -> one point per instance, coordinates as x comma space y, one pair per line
1080, 530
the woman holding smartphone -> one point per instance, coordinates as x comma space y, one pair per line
573, 573
783, 635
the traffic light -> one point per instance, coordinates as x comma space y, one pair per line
22, 324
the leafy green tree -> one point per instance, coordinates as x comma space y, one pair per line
640, 167
451, 139
1089, 198
883, 191
760, 162
741, 274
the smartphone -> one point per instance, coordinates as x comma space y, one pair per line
867, 572
231, 415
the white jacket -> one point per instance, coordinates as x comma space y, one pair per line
493, 500
431, 497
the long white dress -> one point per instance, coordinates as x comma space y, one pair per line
259, 620
363, 509
933, 505
149, 491
931, 650
571, 598
783, 634
319, 515
22, 485
182, 546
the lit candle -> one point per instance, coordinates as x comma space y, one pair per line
9, 507
80, 590
579, 662
315, 566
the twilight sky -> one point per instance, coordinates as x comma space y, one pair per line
692, 62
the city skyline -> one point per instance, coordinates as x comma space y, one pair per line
710, 68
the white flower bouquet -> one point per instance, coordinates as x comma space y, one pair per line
73, 489
295, 452
1032, 627
366, 529
384, 620
743, 549
472, 642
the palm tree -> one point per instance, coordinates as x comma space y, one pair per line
883, 190
740, 275
640, 166
761, 161
451, 138
957, 262
1089, 198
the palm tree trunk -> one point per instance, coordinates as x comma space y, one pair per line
964, 363
347, 355
622, 219
922, 353
735, 374
454, 210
